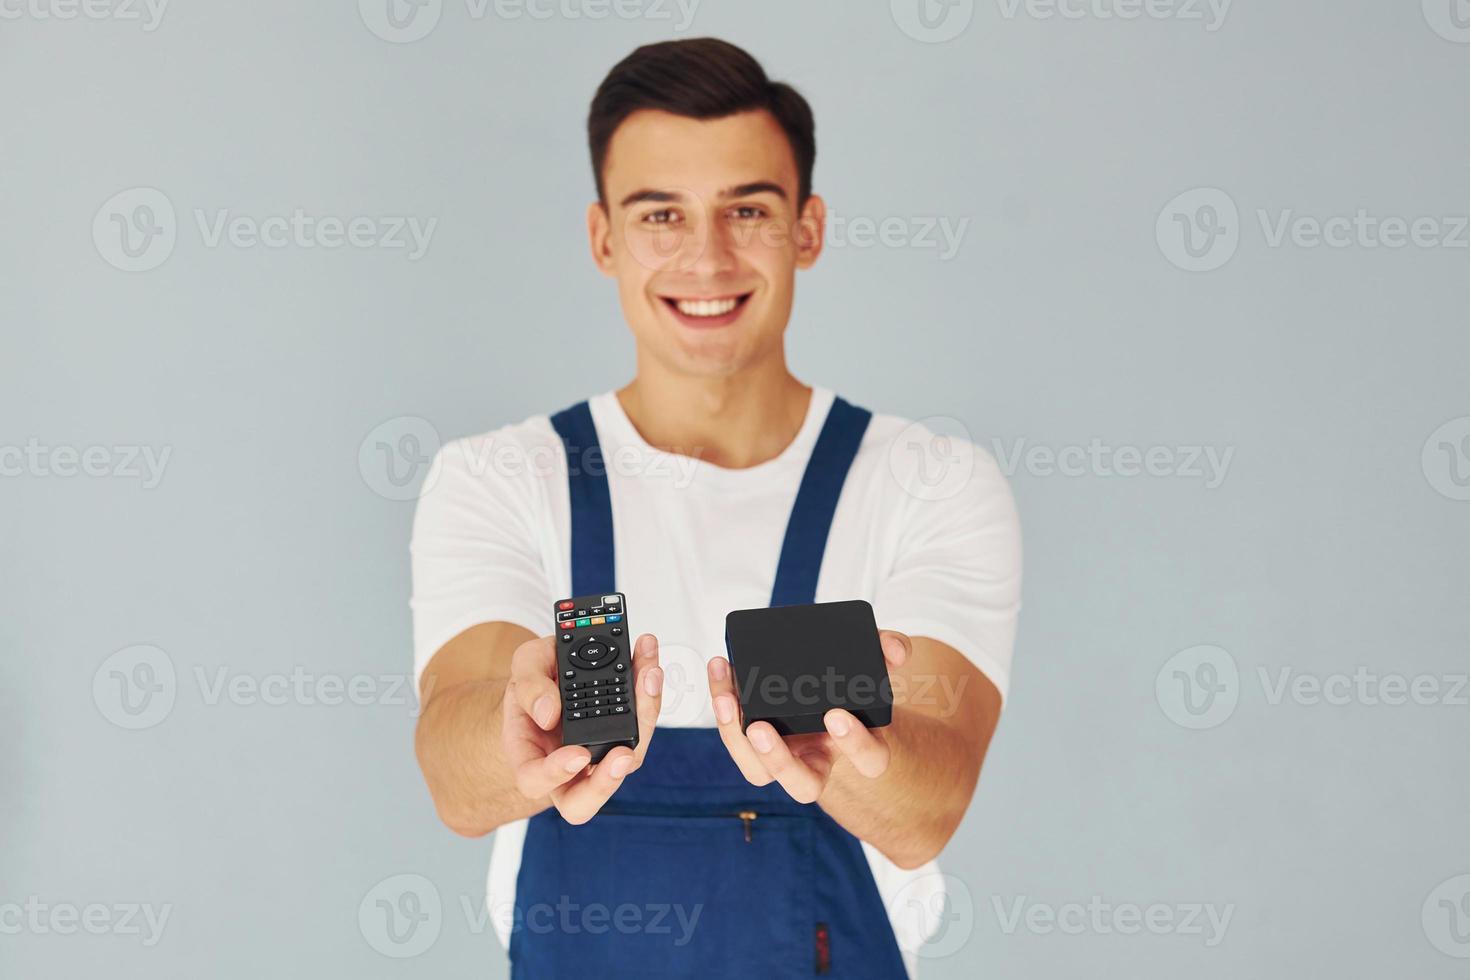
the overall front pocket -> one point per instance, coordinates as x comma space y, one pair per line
657, 894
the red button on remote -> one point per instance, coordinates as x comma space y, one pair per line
565, 605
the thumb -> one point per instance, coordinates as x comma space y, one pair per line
896, 647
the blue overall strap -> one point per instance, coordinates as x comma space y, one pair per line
816, 502
593, 566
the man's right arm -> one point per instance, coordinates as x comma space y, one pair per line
489, 735
459, 739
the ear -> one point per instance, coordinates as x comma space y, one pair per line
811, 232
599, 237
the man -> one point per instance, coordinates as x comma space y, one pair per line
707, 851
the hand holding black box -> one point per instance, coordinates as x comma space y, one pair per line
792, 664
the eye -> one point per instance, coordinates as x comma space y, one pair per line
663, 216
748, 212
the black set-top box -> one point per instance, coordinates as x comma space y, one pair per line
792, 664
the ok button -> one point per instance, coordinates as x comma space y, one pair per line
596, 652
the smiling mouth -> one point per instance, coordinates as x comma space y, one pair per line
709, 310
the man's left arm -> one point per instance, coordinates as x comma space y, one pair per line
902, 788
928, 759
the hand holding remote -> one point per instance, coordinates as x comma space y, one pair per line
533, 715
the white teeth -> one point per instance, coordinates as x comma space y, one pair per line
706, 307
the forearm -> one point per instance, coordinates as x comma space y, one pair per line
911, 810
461, 752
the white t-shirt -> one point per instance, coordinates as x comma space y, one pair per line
925, 530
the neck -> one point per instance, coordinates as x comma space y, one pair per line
735, 422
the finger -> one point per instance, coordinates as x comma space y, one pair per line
896, 647
523, 739
580, 800
535, 761
536, 778
864, 748
648, 691
797, 776
533, 668
727, 722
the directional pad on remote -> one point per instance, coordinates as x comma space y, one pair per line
595, 652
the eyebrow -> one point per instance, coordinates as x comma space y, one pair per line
651, 195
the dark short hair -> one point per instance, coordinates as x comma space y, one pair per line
702, 78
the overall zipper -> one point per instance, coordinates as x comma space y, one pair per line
746, 817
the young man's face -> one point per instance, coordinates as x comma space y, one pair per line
702, 232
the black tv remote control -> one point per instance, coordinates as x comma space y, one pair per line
594, 665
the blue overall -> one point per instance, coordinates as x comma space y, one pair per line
689, 870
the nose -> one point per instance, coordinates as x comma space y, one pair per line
711, 251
